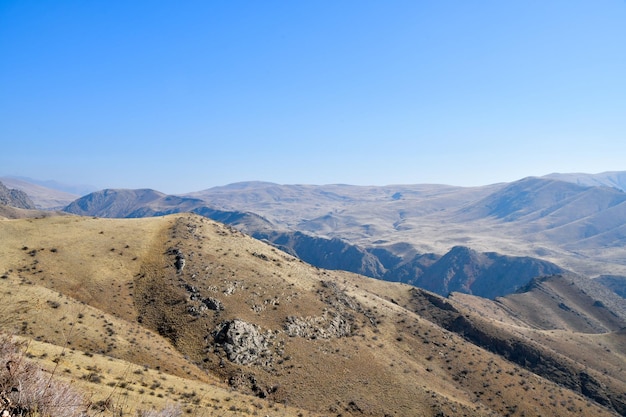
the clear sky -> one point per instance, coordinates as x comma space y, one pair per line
181, 96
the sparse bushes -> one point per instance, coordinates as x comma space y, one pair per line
27, 391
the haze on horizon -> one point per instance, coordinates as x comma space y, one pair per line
185, 96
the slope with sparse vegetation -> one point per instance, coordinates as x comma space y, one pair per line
180, 310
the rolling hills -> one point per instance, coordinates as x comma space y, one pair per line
398, 233
182, 309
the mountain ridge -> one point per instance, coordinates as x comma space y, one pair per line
205, 302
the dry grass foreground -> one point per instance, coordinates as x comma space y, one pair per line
181, 310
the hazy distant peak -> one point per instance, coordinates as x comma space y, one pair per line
76, 189
245, 185
15, 198
613, 179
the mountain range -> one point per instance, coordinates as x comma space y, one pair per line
488, 241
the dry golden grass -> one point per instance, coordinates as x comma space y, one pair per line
123, 388
105, 306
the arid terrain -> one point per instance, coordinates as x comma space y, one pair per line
179, 309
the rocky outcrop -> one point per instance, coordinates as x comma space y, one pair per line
198, 304
179, 258
339, 319
244, 343
15, 198
320, 327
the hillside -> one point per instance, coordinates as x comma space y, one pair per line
15, 198
615, 179
43, 197
180, 308
617, 284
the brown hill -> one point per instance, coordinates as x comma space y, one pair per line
192, 309
560, 302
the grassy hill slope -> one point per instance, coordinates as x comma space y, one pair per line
181, 309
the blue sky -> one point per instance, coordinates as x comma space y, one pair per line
184, 95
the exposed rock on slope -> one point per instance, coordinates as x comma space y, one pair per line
15, 198
245, 343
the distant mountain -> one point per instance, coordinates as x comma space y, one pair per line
15, 198
77, 190
125, 203
44, 198
541, 217
614, 179
574, 217
533, 199
371, 206
461, 269
567, 302
130, 203
488, 274
326, 253
615, 283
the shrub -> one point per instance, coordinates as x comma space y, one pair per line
27, 391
